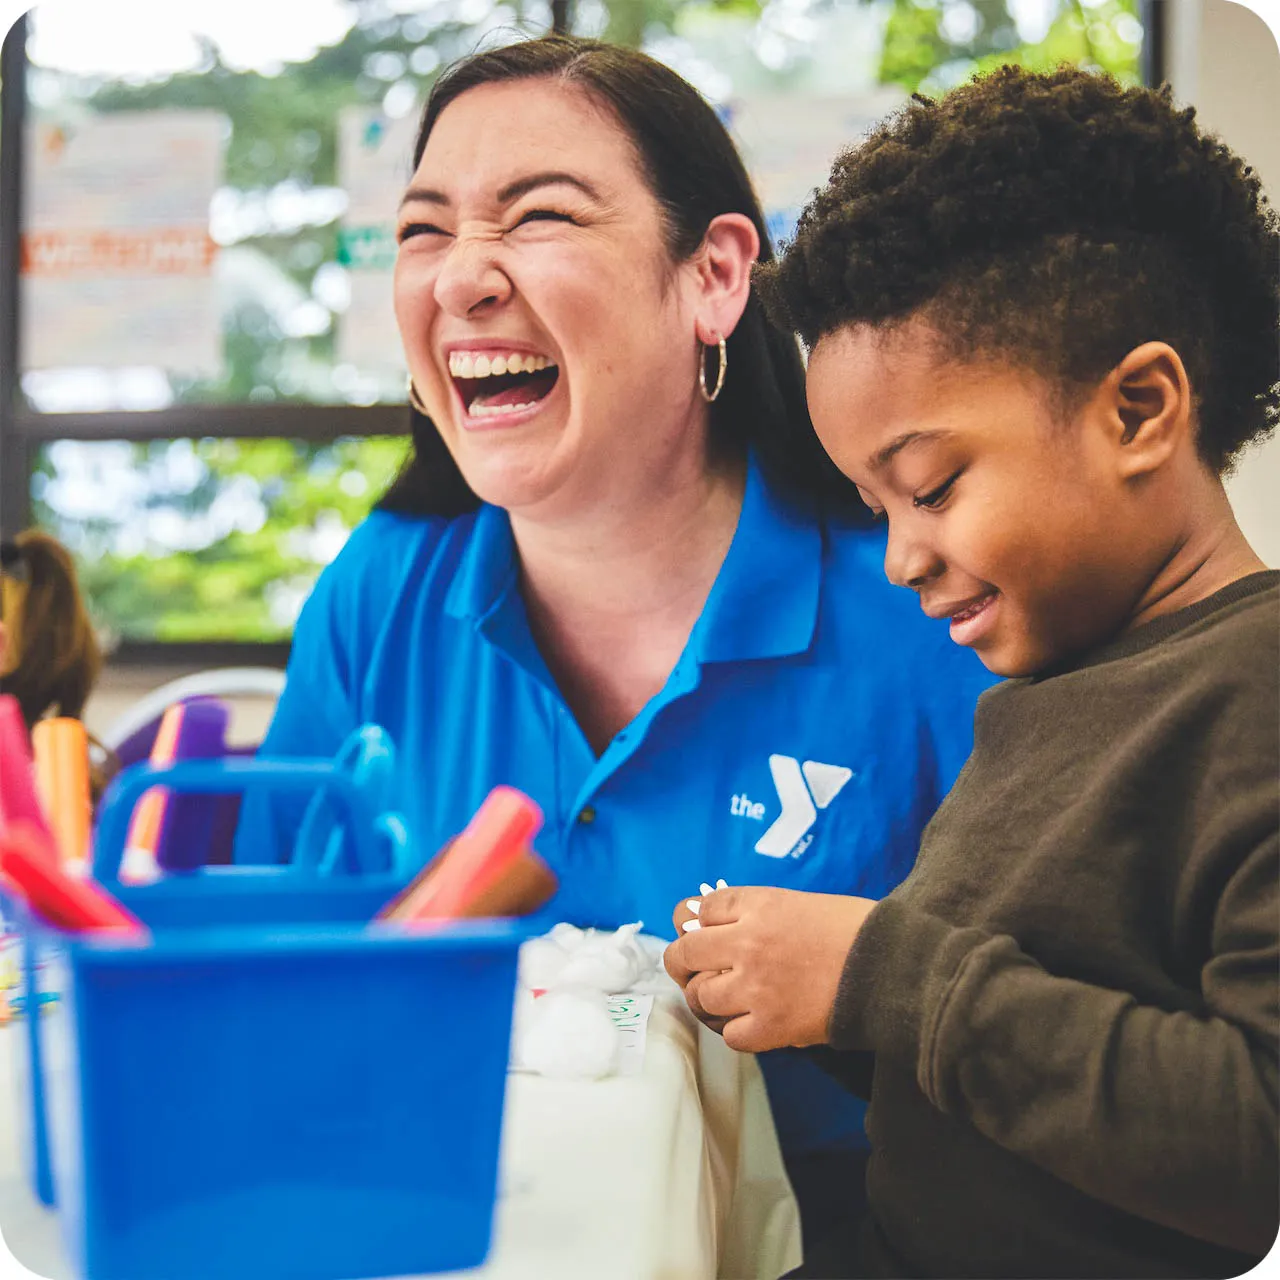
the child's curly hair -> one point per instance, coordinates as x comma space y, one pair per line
1058, 220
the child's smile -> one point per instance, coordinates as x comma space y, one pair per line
970, 619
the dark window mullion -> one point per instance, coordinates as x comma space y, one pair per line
317, 422
15, 477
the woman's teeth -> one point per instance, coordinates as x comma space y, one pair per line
494, 385
463, 365
478, 410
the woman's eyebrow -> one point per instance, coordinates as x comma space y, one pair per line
552, 178
423, 195
512, 191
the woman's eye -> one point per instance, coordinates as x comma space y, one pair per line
412, 229
936, 497
542, 215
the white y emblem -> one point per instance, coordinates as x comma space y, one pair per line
800, 802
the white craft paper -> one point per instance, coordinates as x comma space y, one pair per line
117, 260
375, 162
630, 1014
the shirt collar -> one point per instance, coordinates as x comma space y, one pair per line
763, 604
487, 567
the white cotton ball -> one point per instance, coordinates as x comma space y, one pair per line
627, 939
541, 963
587, 958
569, 1035
567, 936
609, 962
603, 969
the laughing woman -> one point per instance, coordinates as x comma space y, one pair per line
619, 573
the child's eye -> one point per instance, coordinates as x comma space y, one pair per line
936, 497
409, 230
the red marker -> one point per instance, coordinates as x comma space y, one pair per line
494, 841
28, 863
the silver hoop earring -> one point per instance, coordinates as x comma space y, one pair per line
416, 400
709, 396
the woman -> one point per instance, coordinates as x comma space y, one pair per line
619, 573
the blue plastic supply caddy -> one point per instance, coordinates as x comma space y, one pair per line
318, 1103
307, 890
269, 1088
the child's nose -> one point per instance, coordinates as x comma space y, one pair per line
909, 561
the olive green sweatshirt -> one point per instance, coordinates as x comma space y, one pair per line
1074, 999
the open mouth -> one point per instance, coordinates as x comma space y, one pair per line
972, 610
493, 384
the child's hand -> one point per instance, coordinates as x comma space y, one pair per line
765, 963
685, 916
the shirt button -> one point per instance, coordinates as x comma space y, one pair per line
588, 815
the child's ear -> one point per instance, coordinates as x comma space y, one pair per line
1148, 408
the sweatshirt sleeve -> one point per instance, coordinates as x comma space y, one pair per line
1169, 1115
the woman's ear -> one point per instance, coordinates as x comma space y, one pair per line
722, 269
1147, 407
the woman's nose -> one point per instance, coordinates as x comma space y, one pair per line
909, 561
470, 277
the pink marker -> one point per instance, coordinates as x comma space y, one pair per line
18, 799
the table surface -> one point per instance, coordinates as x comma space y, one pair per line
670, 1174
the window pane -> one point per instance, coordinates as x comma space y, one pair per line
206, 540
797, 80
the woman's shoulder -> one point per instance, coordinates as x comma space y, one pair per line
387, 553
384, 534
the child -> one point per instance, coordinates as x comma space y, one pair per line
49, 655
1043, 320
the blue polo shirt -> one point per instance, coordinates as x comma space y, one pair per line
810, 728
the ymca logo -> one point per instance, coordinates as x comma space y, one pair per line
802, 791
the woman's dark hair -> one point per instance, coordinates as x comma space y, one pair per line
48, 627
1058, 220
695, 174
